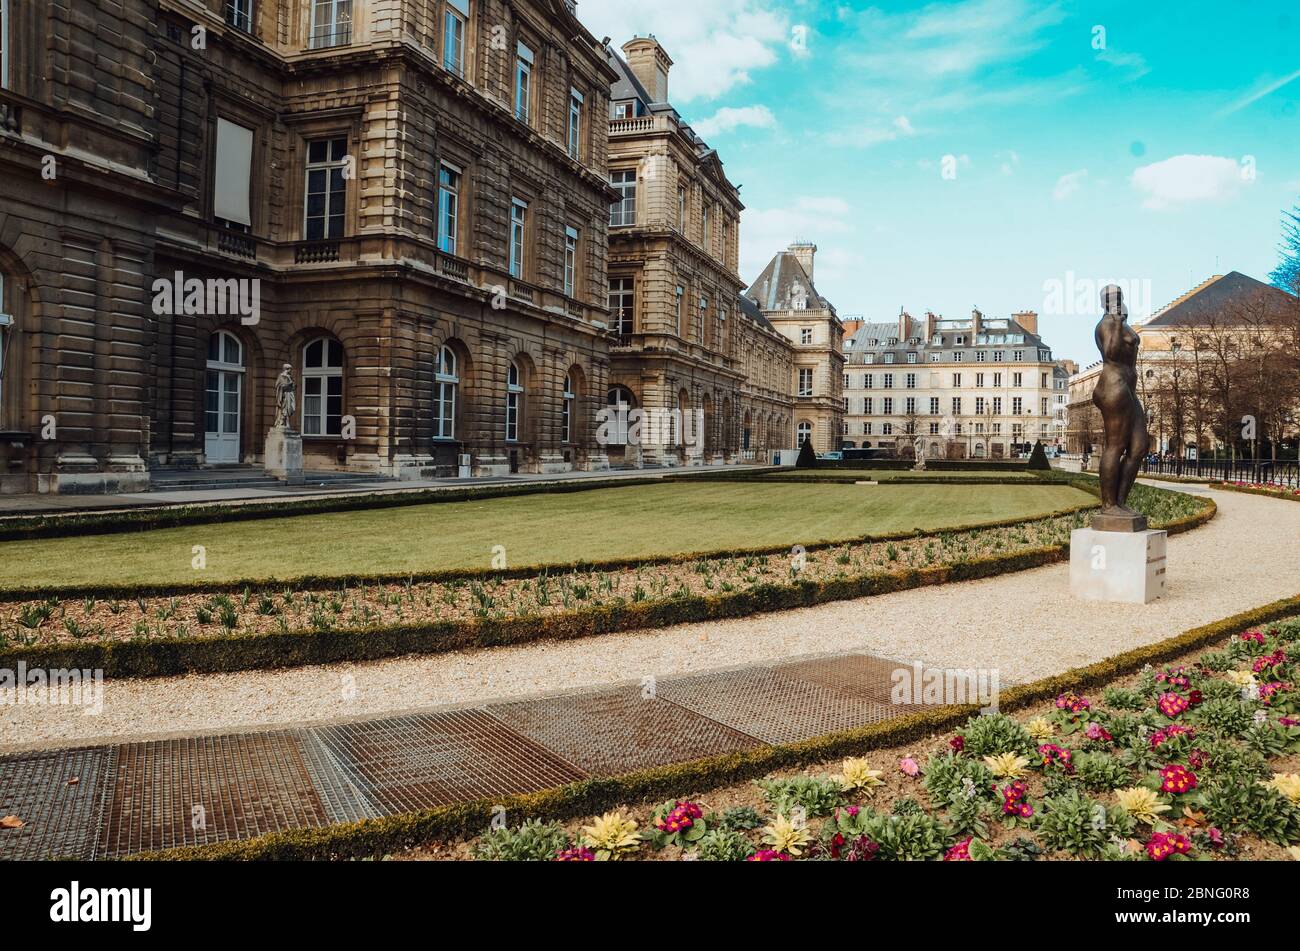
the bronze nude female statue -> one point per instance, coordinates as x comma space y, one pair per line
1124, 421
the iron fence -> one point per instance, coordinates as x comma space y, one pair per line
1261, 471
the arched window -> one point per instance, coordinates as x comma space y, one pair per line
621, 402
447, 391
322, 388
514, 402
222, 398
805, 433
568, 407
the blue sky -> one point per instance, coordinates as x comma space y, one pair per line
1151, 143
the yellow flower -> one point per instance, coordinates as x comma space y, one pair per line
1241, 678
784, 836
858, 774
1141, 803
1288, 784
1006, 765
612, 835
1040, 728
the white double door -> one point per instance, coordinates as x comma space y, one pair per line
223, 399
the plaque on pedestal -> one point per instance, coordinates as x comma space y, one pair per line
1119, 567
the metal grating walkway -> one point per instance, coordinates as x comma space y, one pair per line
108, 802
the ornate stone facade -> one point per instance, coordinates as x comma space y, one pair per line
685, 343
412, 192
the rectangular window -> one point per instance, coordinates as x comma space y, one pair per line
575, 124
934, 406
889, 381
523, 82
980, 356
997, 406
448, 207
1042, 406
623, 211
805, 381
889, 358
622, 303
911, 358
1017, 379
866, 429
997, 356
327, 189
956, 406
805, 335
979, 406
869, 381
331, 23
887, 407
886, 429
934, 429
1017, 405
958, 356
956, 380
4, 44
869, 406
570, 260
706, 227
453, 36
232, 173
997, 380
909, 405
1018, 356
911, 381
677, 313
518, 229
239, 14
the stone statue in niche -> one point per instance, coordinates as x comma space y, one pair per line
1124, 422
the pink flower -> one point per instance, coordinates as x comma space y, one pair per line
579, 854
1072, 703
1098, 733
959, 852
1054, 755
768, 855
1161, 845
1172, 705
909, 767
1177, 779
958, 743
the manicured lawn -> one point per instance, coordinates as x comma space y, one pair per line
887, 475
633, 522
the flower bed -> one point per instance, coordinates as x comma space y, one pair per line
1271, 490
1193, 760
292, 626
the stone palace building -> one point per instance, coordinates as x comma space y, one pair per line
433, 211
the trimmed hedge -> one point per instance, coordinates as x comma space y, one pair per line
378, 837
230, 653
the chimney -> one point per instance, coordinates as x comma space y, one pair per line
976, 322
904, 318
650, 64
929, 325
804, 252
1027, 319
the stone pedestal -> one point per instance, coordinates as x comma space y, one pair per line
283, 456
1119, 567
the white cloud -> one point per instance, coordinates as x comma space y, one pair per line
1010, 161
715, 44
822, 219
1266, 89
872, 133
1188, 178
1068, 184
1134, 65
728, 119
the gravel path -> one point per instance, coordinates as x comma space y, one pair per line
1025, 625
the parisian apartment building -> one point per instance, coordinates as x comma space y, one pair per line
785, 295
977, 388
686, 344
